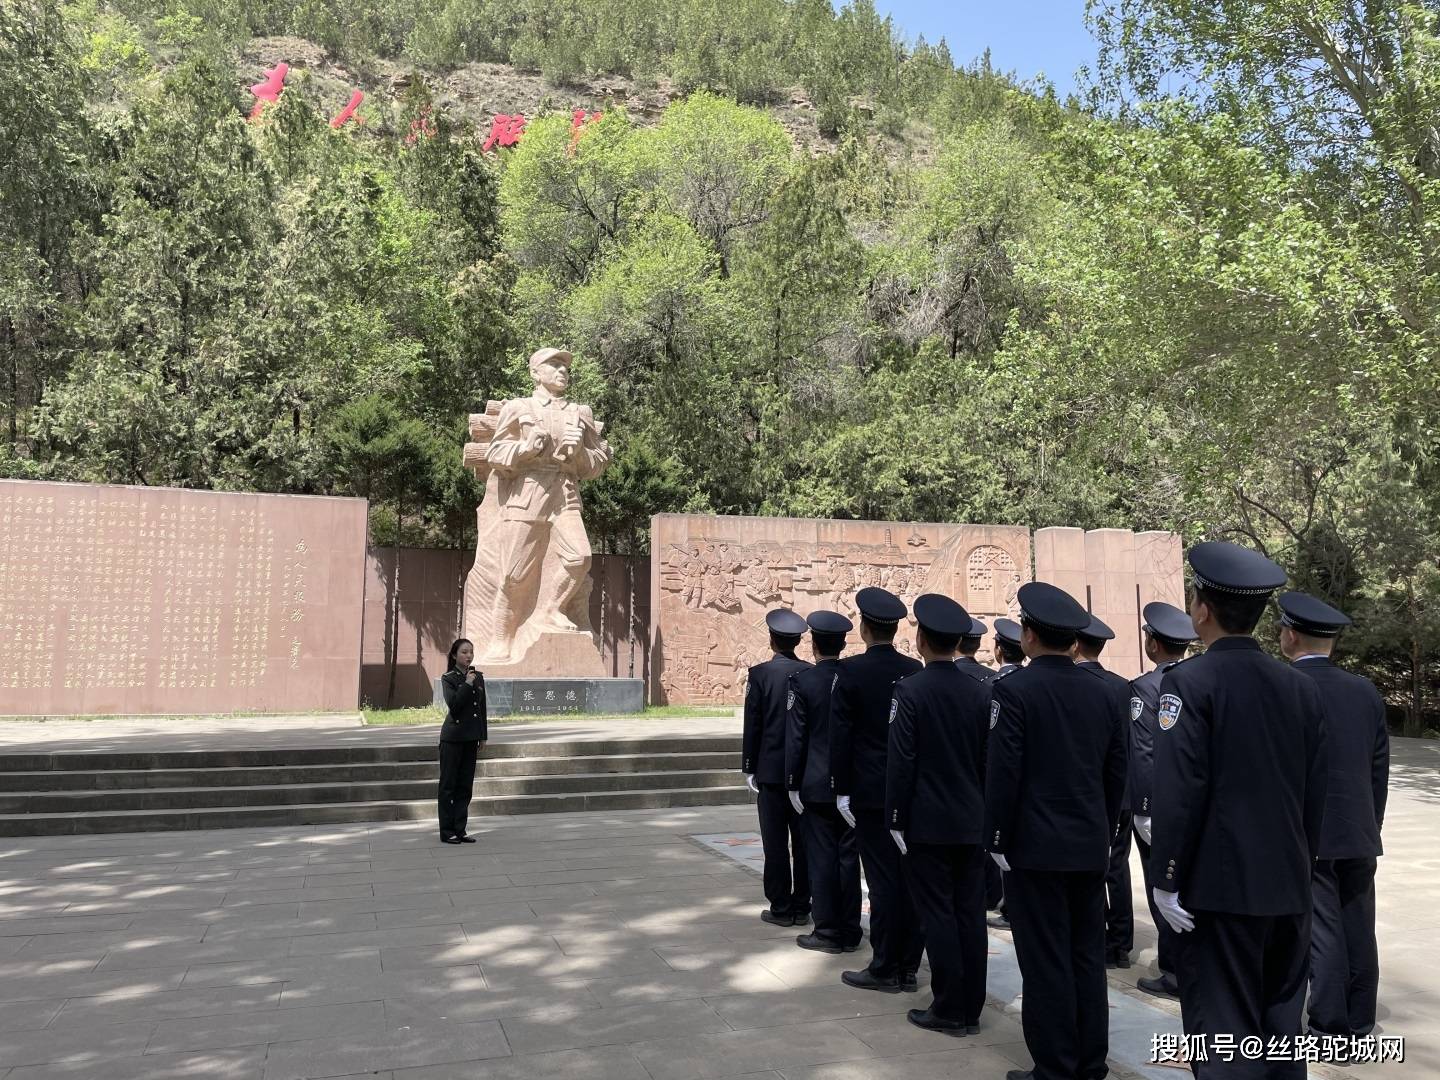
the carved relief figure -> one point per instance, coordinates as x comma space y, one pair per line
760, 583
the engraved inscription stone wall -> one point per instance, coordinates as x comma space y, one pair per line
139, 600
713, 579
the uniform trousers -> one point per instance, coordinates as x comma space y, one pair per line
787, 878
1240, 976
1119, 908
948, 885
1058, 921
896, 937
1165, 943
457, 784
834, 861
994, 887
1344, 964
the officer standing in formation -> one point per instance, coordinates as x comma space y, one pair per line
1119, 908
1344, 963
1053, 788
969, 645
1240, 783
860, 739
1011, 659
831, 852
1257, 789
787, 878
934, 806
1168, 634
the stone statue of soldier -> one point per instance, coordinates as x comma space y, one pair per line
542, 447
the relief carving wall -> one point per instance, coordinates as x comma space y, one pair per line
713, 578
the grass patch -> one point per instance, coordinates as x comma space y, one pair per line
430, 714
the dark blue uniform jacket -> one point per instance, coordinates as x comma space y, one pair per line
1240, 762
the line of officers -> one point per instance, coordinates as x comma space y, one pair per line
1255, 791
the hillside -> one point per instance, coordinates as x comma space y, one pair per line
473, 93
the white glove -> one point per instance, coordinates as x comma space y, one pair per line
796, 803
899, 838
1000, 861
750, 783
842, 803
1142, 828
1179, 919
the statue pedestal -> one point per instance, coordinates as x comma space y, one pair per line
540, 696
569, 654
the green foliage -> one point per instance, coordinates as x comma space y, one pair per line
1218, 314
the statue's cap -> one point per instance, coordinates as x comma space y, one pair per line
545, 355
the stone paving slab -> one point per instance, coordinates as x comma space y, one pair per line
602, 946
158, 734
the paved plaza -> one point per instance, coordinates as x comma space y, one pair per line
576, 946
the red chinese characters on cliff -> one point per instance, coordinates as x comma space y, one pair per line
505, 130
268, 91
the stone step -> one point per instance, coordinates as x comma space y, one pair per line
419, 750
334, 773
326, 813
85, 802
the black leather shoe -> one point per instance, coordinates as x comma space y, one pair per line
450, 840
802, 920
1164, 985
998, 922
465, 838
909, 983
1020, 1074
816, 943
924, 1018
863, 980
1121, 959
972, 1029
776, 920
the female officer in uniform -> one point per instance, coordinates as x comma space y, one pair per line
461, 737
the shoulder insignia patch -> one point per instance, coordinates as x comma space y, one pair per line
894, 708
790, 699
994, 714
1170, 706
1136, 708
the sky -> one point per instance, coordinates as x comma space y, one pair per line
1024, 36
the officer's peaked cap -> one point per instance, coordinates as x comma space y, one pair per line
829, 622
1305, 613
786, 622
1051, 608
1096, 630
1168, 623
1008, 630
977, 628
938, 614
1230, 568
880, 605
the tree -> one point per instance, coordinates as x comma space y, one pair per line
385, 457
